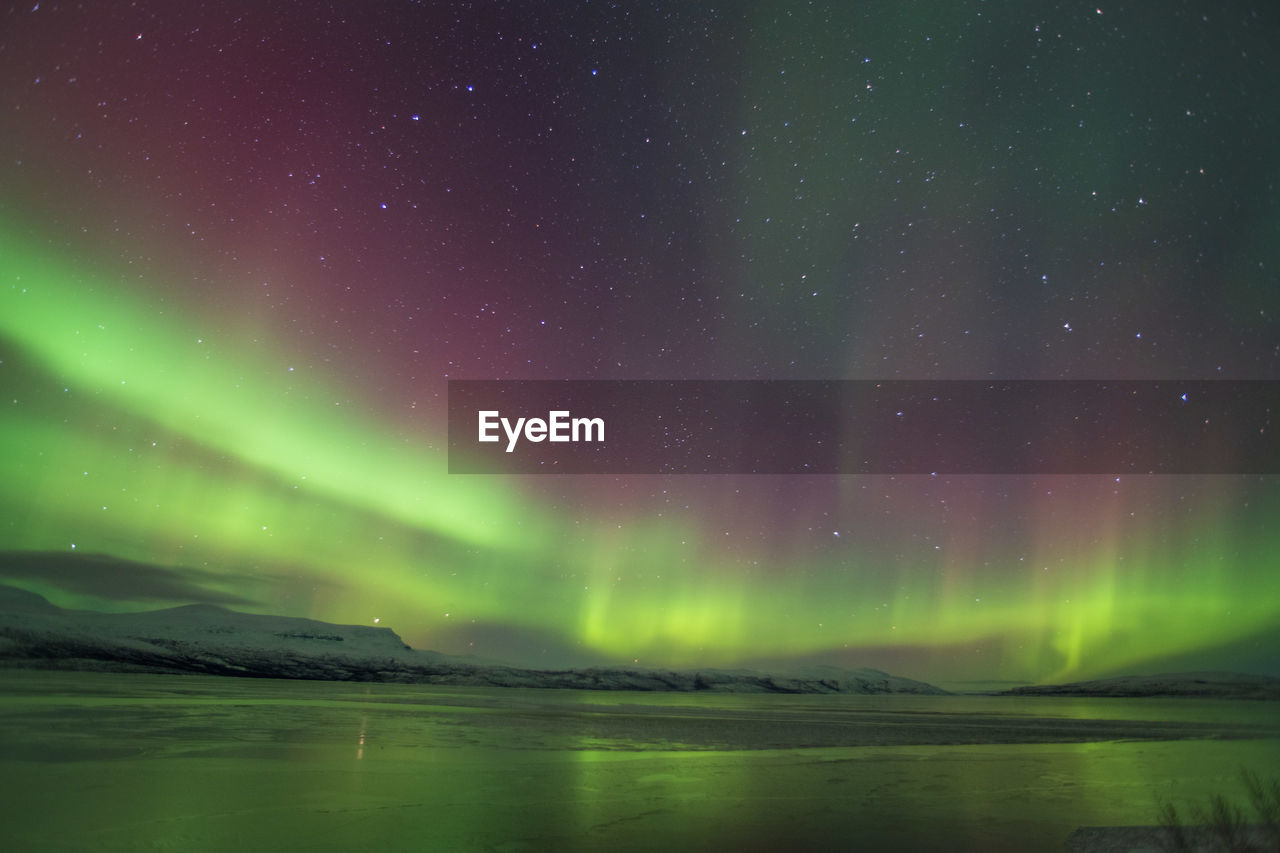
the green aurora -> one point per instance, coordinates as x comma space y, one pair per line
132, 432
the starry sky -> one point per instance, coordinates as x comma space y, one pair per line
243, 247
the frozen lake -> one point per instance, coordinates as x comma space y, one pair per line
155, 762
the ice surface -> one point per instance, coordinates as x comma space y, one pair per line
117, 762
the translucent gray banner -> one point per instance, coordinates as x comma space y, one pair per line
863, 427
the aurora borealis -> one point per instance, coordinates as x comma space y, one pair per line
244, 246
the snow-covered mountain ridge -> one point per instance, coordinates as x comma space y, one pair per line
202, 638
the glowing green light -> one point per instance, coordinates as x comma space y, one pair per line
167, 446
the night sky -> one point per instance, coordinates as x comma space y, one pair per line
244, 245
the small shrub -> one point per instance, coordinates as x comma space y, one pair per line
1265, 799
1223, 826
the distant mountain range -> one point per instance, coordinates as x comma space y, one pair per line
1208, 685
203, 638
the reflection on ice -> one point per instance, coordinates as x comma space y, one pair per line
126, 762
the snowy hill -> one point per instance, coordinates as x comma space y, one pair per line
202, 638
